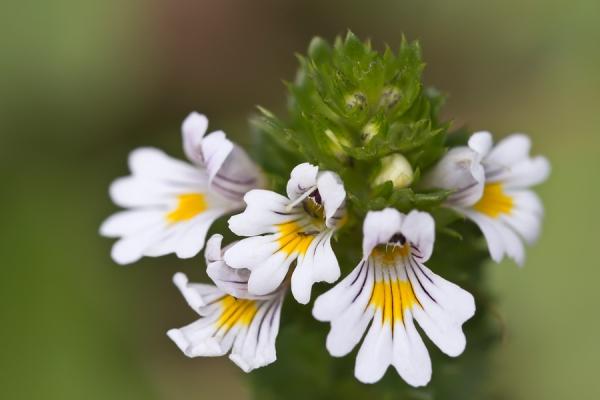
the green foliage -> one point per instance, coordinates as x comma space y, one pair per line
349, 106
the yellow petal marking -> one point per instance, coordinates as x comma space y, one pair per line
393, 298
188, 206
236, 312
494, 201
292, 239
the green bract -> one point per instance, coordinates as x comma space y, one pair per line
349, 107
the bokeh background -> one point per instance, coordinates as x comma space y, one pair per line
83, 82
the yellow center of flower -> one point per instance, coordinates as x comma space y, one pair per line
494, 201
393, 298
236, 312
188, 206
293, 239
389, 254
314, 209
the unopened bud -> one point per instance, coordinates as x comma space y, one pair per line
389, 97
356, 101
397, 169
370, 131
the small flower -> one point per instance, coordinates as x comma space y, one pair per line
282, 230
246, 327
491, 185
389, 288
172, 204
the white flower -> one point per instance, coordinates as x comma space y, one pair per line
172, 204
491, 185
389, 288
283, 229
246, 327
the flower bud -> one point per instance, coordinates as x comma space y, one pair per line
395, 168
390, 96
356, 101
370, 131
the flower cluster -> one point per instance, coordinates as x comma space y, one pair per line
363, 148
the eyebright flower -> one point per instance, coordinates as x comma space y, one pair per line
243, 325
491, 185
366, 116
172, 204
389, 288
282, 230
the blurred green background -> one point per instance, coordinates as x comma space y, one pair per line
84, 82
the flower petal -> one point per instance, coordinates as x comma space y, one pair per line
193, 129
231, 172
325, 264
257, 348
332, 192
318, 264
169, 241
444, 307
268, 275
251, 251
419, 229
346, 307
197, 295
147, 190
375, 354
264, 210
233, 281
128, 222
409, 354
215, 149
154, 164
131, 248
481, 142
379, 227
513, 246
500, 239
262, 256
510, 150
492, 236
192, 242
132, 192
526, 217
524, 174
195, 339
460, 170
302, 178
